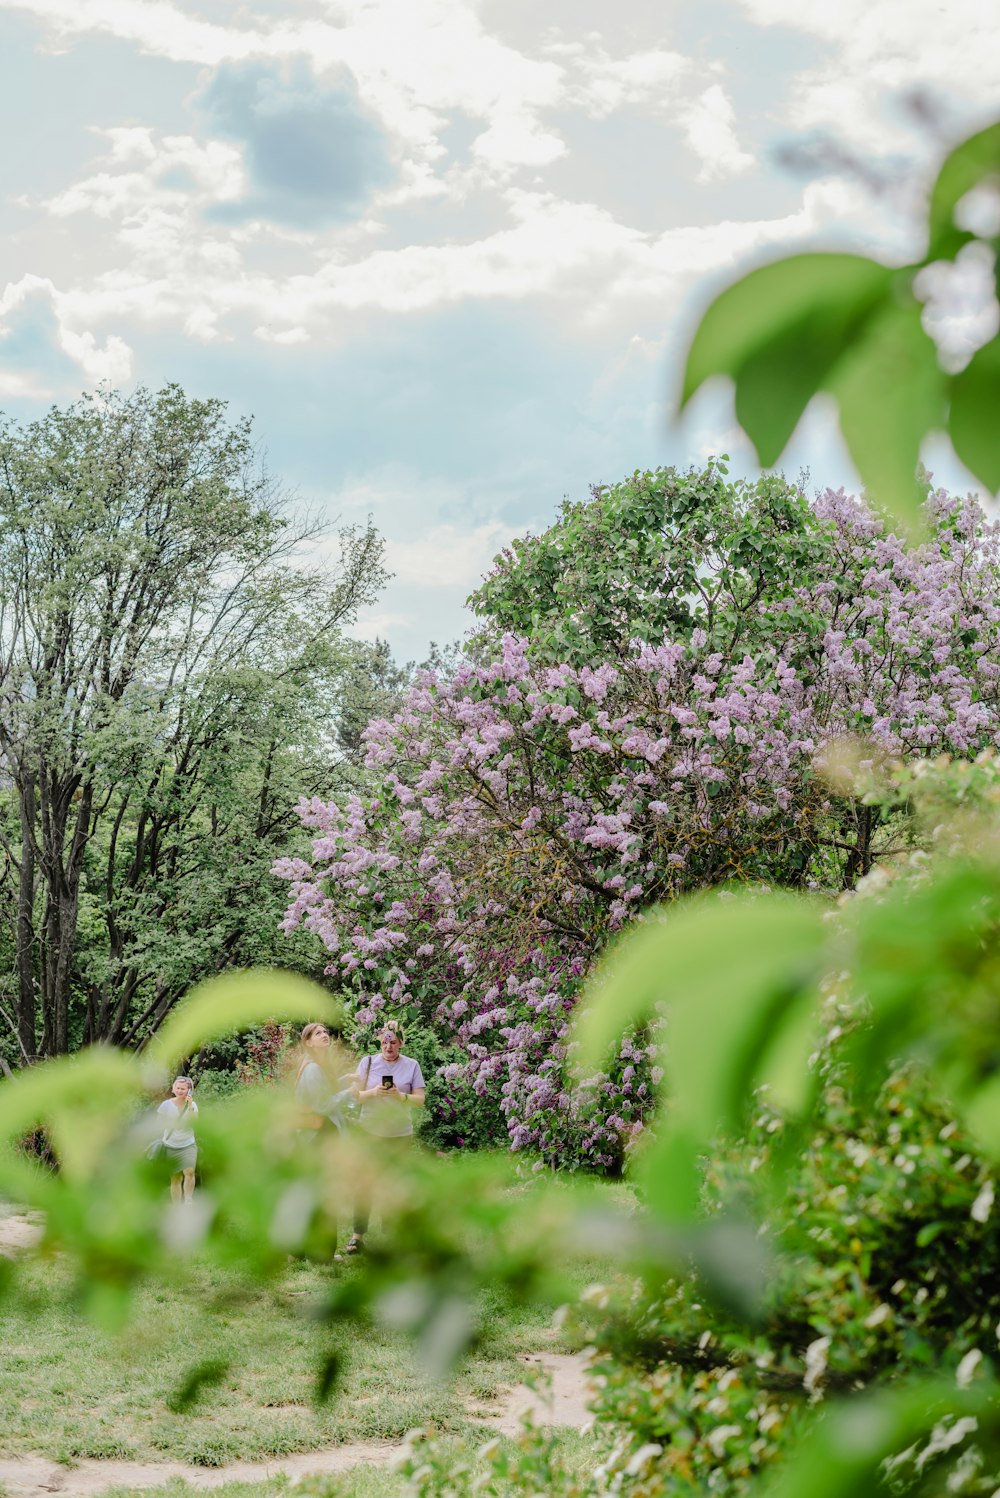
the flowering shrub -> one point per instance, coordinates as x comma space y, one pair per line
527, 808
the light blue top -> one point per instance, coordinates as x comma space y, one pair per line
315, 1091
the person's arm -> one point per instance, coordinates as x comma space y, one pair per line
365, 1093
417, 1090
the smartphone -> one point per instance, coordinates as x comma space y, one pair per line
387, 1082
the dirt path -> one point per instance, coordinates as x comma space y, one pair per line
36, 1477
17, 1230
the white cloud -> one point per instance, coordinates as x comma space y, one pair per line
710, 131
286, 336
415, 61
111, 360
172, 267
377, 624
961, 311
15, 385
603, 84
153, 173
877, 50
445, 556
517, 140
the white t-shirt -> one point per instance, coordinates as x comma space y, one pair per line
178, 1138
389, 1117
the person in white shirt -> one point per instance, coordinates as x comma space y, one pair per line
389, 1087
179, 1148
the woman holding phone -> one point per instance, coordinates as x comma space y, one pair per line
389, 1086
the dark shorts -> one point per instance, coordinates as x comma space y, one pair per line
180, 1157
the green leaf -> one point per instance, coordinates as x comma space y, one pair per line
775, 385
237, 1001
202, 1376
964, 169
981, 1115
82, 1100
670, 1174
891, 393
843, 1453
734, 976
975, 412
778, 332
329, 1375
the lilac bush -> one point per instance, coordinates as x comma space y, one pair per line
527, 808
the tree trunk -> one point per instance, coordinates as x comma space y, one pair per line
26, 977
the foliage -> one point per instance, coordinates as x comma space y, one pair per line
855, 328
541, 1459
654, 558
528, 808
165, 670
265, 1051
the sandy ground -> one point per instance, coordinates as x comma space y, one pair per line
17, 1231
563, 1403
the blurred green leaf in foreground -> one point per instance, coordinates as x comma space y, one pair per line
854, 328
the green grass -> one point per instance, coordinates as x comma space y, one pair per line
358, 1482
68, 1391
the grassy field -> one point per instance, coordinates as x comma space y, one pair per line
68, 1391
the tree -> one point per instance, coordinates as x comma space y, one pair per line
652, 558
163, 664
527, 808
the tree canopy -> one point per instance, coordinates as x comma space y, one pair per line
167, 672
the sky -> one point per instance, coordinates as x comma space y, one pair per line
447, 253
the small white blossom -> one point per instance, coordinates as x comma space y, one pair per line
596, 1295
943, 1437
983, 1204
718, 1437
881, 1313
966, 1369
816, 1354
642, 1457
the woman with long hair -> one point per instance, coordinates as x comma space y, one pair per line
323, 1087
